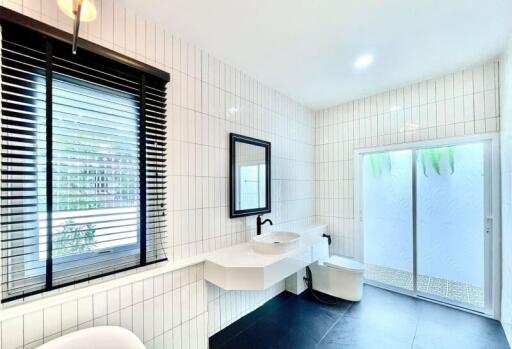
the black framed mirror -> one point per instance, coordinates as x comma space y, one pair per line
249, 176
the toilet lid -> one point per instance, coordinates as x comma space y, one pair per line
344, 263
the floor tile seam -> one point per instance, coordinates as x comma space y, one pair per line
241, 330
252, 323
334, 324
239, 333
416, 329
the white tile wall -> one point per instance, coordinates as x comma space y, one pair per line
225, 307
207, 99
506, 188
144, 307
463, 103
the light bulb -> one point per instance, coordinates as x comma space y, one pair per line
363, 61
87, 12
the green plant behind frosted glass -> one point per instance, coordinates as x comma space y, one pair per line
379, 162
434, 157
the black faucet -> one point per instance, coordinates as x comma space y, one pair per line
259, 223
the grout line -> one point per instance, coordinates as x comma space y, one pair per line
419, 314
342, 315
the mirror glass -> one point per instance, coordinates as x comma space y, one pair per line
251, 171
250, 176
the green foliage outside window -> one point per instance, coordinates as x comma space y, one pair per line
379, 162
74, 239
432, 157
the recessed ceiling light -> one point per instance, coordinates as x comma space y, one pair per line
363, 61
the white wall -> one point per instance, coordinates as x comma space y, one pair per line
506, 188
458, 104
207, 99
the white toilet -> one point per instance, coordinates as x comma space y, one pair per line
339, 277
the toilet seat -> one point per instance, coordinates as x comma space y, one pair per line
339, 277
344, 264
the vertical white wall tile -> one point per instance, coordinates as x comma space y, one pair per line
138, 292
150, 41
94, 27
168, 51
158, 285
158, 315
85, 310
148, 319
113, 300
176, 304
14, 328
114, 319
52, 320
69, 315
489, 76
185, 335
126, 317
107, 20
15, 5
49, 11
125, 296
490, 103
138, 320
32, 8
148, 288
33, 328
140, 40
158, 342
168, 339
167, 282
100, 304
130, 31
176, 338
478, 78
168, 311
119, 26
160, 45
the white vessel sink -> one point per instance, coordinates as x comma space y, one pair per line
276, 242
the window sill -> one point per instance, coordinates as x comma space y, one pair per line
31, 304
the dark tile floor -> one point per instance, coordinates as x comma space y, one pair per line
381, 320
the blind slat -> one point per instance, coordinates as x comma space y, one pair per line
95, 165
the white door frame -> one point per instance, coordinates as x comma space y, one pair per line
493, 207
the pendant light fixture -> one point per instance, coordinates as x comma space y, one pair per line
80, 11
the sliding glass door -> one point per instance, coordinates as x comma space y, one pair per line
387, 207
450, 231
426, 218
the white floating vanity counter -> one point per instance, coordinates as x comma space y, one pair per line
240, 267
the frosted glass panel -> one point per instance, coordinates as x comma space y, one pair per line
387, 212
450, 226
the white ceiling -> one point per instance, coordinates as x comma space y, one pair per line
306, 48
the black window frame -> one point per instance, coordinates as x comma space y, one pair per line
54, 36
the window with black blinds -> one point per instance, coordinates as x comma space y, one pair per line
83, 165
